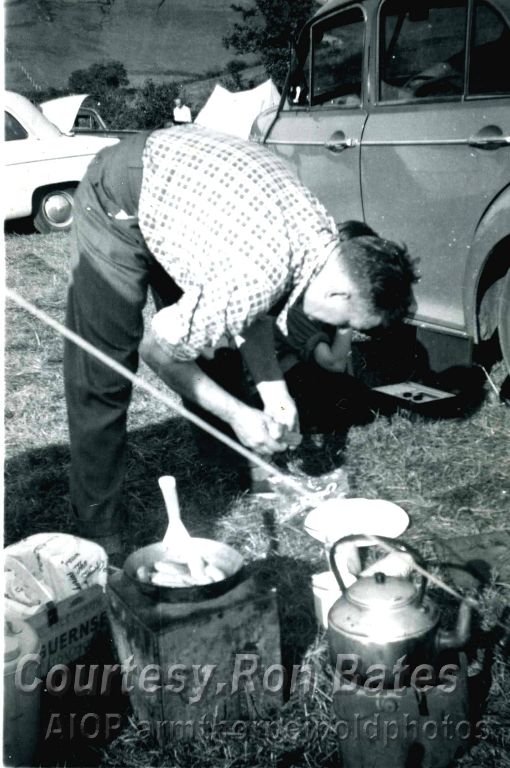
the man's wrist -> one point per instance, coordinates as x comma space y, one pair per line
231, 410
272, 392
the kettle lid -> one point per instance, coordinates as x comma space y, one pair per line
381, 591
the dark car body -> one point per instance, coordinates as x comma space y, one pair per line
397, 112
90, 122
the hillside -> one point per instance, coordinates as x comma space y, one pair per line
46, 40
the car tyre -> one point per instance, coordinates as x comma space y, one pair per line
54, 211
504, 321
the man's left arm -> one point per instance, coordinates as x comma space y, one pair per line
257, 347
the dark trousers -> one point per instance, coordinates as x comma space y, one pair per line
327, 402
111, 272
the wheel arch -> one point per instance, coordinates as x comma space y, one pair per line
39, 192
488, 263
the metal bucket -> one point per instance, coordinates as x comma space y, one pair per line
216, 553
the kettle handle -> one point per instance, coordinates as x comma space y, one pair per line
361, 539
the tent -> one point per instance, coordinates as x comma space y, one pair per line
234, 113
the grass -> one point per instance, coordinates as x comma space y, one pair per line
451, 475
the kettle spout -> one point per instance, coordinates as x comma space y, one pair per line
458, 637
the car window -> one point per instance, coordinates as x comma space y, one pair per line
422, 49
13, 129
84, 121
489, 64
332, 72
88, 121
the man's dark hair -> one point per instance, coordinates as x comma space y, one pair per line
384, 273
353, 228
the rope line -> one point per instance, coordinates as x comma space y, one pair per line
161, 396
178, 408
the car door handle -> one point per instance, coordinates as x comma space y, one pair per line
338, 141
489, 137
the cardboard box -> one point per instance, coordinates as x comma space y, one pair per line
67, 628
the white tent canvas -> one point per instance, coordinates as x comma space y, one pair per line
234, 113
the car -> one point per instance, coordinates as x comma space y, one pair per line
42, 165
397, 113
78, 113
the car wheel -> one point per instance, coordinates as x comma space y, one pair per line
54, 211
504, 321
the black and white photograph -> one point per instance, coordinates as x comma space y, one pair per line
256, 384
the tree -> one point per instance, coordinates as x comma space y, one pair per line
233, 79
267, 28
99, 78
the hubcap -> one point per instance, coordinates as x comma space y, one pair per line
58, 208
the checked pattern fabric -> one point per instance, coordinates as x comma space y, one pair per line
233, 227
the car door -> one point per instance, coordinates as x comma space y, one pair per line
38, 156
18, 200
435, 150
319, 130
34, 161
34, 156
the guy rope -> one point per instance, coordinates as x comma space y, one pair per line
278, 477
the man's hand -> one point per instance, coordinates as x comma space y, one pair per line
337, 357
280, 406
257, 349
283, 411
258, 431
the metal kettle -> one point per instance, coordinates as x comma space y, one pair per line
388, 622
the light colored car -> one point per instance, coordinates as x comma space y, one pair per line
398, 113
43, 165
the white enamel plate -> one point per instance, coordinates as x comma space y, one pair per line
335, 518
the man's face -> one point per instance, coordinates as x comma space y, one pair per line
348, 310
334, 298
360, 316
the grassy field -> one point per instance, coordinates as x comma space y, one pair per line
175, 40
451, 475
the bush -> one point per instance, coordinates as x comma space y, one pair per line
147, 107
99, 78
116, 110
153, 104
